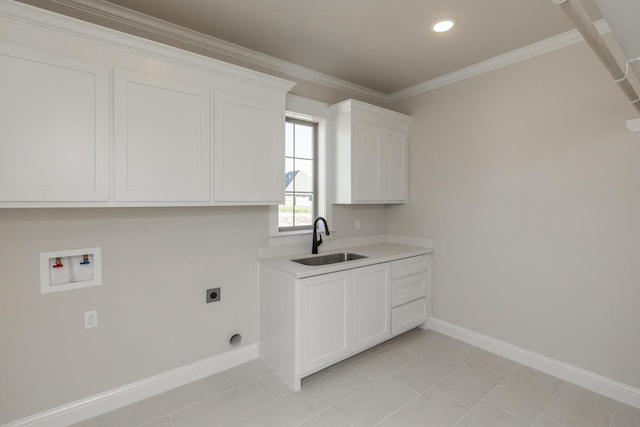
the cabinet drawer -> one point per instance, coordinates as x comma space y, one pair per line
409, 288
409, 316
408, 266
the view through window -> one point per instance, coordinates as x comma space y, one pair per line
300, 205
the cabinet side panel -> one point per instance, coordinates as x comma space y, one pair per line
395, 164
342, 152
277, 324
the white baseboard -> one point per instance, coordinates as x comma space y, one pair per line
569, 373
101, 403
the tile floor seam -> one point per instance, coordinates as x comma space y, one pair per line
450, 374
307, 419
506, 411
345, 398
211, 397
142, 424
269, 399
342, 418
480, 401
493, 370
422, 355
255, 408
139, 414
614, 414
416, 397
398, 369
541, 414
193, 403
433, 387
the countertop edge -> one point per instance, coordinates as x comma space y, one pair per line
299, 271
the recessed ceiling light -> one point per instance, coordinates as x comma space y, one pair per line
442, 25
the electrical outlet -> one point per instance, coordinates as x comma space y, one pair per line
357, 224
213, 295
90, 319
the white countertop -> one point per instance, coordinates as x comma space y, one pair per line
376, 253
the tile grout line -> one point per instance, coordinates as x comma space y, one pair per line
418, 396
342, 418
495, 405
541, 414
507, 411
211, 397
508, 374
481, 400
614, 415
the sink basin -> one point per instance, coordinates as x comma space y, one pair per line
329, 258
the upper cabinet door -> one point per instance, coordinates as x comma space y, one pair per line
393, 153
54, 127
366, 163
162, 139
249, 159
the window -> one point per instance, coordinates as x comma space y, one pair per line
300, 178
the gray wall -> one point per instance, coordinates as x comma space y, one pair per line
529, 184
157, 263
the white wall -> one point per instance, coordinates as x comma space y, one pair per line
529, 184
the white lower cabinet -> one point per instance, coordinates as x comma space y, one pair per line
324, 319
342, 313
410, 293
310, 323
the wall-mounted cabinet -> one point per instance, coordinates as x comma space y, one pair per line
94, 117
371, 154
162, 144
54, 127
249, 165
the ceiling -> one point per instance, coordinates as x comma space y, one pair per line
383, 45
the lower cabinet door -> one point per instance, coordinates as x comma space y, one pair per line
323, 334
371, 305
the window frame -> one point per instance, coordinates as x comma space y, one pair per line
315, 193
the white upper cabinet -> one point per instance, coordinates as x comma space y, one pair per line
249, 141
162, 139
54, 127
94, 117
371, 149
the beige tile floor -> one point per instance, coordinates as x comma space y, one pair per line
421, 378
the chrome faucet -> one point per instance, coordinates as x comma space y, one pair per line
317, 238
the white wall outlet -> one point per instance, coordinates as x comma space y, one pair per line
357, 224
90, 319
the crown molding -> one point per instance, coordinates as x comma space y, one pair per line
544, 46
148, 24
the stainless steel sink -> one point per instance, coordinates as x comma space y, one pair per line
329, 258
